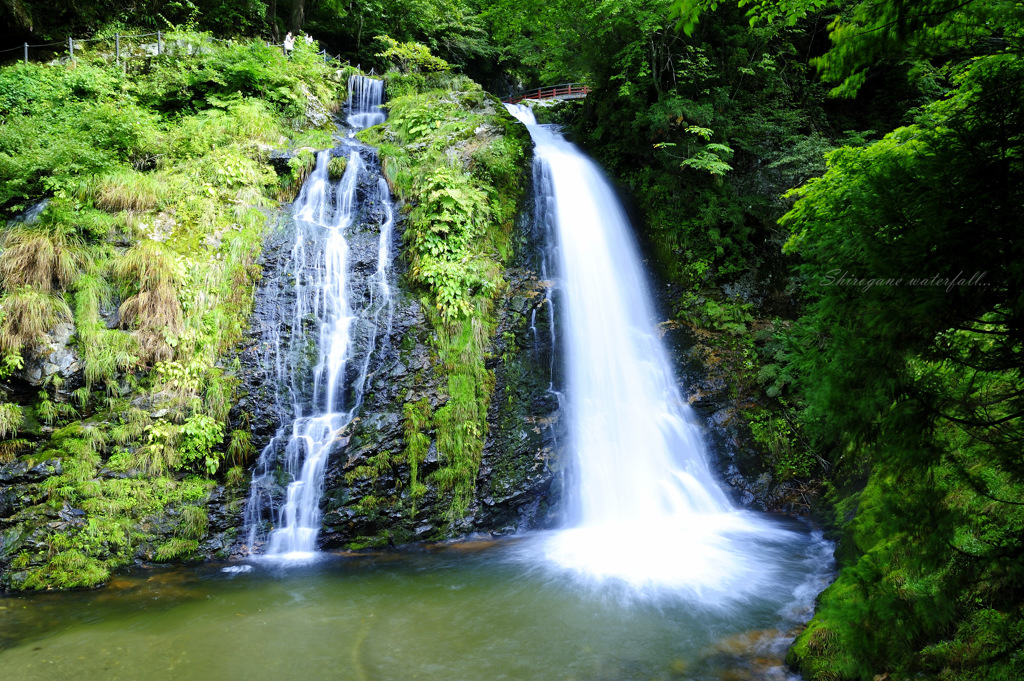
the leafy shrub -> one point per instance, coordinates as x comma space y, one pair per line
200, 434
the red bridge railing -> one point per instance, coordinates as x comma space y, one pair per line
565, 91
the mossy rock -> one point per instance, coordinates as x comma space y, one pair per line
336, 167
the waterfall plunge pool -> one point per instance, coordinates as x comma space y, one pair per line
470, 611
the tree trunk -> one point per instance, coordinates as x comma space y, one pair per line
272, 19
298, 16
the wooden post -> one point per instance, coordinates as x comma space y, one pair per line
26, 53
159, 39
117, 48
71, 48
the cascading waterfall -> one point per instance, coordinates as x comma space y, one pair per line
318, 264
647, 510
365, 97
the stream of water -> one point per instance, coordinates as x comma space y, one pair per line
315, 421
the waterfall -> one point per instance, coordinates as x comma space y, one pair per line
365, 97
646, 508
322, 369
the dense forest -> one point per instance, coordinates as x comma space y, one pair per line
829, 190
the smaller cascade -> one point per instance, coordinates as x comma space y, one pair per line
335, 325
365, 98
318, 412
380, 311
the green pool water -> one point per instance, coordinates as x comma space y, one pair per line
473, 611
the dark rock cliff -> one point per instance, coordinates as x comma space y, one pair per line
369, 498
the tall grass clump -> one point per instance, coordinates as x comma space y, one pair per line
149, 272
43, 256
127, 190
11, 418
104, 351
26, 314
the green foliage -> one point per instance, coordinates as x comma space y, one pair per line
457, 158
788, 11
452, 213
786, 450
71, 132
908, 359
410, 57
200, 434
867, 33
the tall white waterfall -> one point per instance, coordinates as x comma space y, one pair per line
647, 509
323, 320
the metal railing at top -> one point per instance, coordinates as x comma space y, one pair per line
123, 49
565, 91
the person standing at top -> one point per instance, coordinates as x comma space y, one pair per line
309, 38
289, 44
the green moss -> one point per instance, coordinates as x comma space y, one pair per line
449, 150
387, 537
176, 548
461, 424
417, 421
375, 466
336, 167
379, 541
69, 569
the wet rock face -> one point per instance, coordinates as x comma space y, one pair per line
746, 473
518, 481
260, 407
54, 356
18, 480
22, 525
368, 498
222, 509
